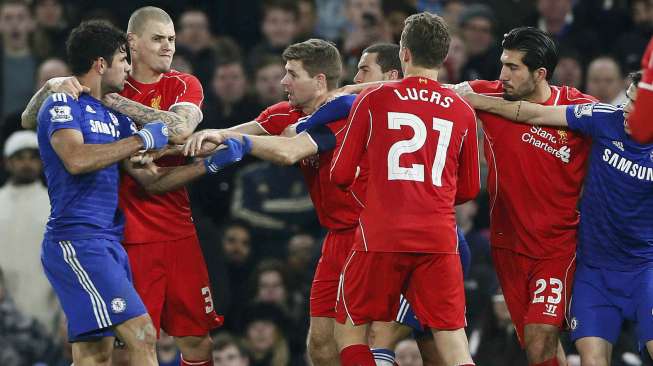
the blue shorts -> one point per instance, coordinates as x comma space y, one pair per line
602, 299
93, 282
406, 315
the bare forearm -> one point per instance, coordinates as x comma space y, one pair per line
278, 149
520, 111
91, 157
29, 115
176, 178
178, 126
249, 128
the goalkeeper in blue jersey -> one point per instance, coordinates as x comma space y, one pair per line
614, 274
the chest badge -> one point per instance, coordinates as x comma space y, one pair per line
156, 102
564, 136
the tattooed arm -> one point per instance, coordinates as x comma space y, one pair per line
181, 119
67, 84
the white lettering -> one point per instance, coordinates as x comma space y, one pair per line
400, 96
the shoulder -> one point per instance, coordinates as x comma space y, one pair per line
598, 111
486, 86
569, 95
175, 77
60, 107
280, 108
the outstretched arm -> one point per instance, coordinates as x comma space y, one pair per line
181, 119
520, 111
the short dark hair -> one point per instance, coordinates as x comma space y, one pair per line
387, 56
318, 57
289, 6
222, 341
539, 48
91, 40
427, 37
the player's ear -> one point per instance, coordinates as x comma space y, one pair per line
100, 65
393, 75
131, 40
321, 80
541, 73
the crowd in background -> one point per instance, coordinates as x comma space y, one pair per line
256, 222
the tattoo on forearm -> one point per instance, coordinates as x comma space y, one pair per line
32, 109
181, 119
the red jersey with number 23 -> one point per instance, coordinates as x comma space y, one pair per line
165, 217
420, 140
535, 175
336, 210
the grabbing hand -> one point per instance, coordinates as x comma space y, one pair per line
67, 84
193, 146
234, 152
154, 135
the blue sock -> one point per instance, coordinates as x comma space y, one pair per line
383, 356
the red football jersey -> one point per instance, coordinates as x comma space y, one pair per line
153, 218
336, 210
420, 140
534, 179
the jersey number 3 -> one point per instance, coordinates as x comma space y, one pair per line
416, 172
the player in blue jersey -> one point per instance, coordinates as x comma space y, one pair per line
80, 143
614, 275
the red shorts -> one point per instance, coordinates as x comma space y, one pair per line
324, 291
172, 280
372, 282
536, 290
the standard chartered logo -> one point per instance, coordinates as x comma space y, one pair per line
543, 139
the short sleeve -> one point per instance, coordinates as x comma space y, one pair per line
60, 111
590, 118
323, 137
188, 91
276, 118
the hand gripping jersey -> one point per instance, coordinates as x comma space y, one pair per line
535, 175
420, 141
164, 217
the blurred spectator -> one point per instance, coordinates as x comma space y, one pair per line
556, 18
181, 63
451, 13
62, 354
301, 261
227, 351
270, 285
16, 57
267, 81
50, 68
275, 201
432, 6
23, 341
307, 20
51, 29
195, 40
330, 20
24, 214
166, 351
483, 52
407, 353
231, 105
569, 70
455, 61
395, 13
366, 26
279, 27
265, 336
629, 46
605, 81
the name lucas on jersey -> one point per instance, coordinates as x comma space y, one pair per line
425, 95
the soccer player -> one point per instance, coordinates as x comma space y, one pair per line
168, 266
614, 277
410, 239
81, 143
640, 124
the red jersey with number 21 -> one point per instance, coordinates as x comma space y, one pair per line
165, 217
421, 145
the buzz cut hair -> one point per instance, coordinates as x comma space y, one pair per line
140, 17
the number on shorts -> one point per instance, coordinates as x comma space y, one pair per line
208, 299
416, 172
556, 287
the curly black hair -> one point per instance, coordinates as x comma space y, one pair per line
91, 40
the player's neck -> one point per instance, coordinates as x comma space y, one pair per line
93, 82
312, 106
415, 71
144, 74
541, 94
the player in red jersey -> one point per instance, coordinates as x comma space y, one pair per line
313, 67
420, 141
534, 181
641, 128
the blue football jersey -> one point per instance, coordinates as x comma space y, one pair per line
83, 206
616, 220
